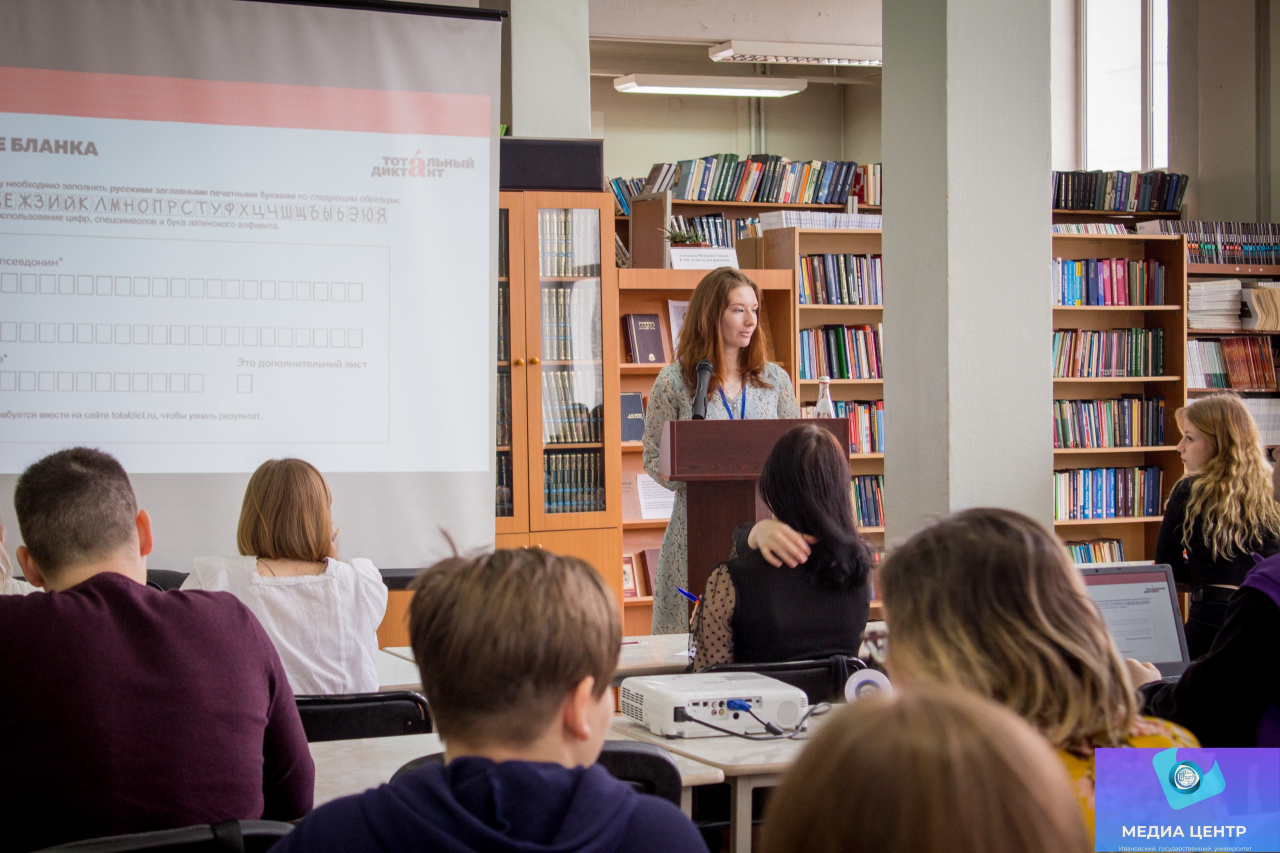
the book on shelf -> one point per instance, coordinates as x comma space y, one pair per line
621, 254
765, 179
630, 584
866, 423
569, 242
632, 416
573, 481
1116, 353
1130, 192
1213, 242
644, 339
868, 499
1245, 363
841, 279
1108, 281
504, 409
650, 559
771, 220
1260, 306
1098, 493
1266, 414
504, 496
717, 230
841, 352
1214, 304
571, 317
1130, 421
1096, 551
567, 417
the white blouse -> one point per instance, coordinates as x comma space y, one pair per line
325, 626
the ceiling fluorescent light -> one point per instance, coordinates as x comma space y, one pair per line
681, 84
797, 54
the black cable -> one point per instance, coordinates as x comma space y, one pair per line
814, 711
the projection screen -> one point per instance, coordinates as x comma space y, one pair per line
233, 231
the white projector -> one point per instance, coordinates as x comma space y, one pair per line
673, 705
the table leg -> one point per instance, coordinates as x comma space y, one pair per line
686, 801
740, 814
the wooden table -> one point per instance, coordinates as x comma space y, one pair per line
350, 766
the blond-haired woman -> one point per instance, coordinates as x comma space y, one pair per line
322, 614
988, 599
1220, 513
722, 325
925, 771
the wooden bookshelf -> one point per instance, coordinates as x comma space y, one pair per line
1124, 217
1138, 534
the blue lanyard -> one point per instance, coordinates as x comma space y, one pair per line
725, 400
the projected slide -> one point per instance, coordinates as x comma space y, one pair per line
196, 275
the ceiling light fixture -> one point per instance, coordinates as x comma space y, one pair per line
682, 84
797, 54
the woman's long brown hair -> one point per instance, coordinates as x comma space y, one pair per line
700, 335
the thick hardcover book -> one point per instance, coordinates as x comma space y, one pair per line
644, 339
632, 416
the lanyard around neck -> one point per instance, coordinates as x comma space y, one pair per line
725, 400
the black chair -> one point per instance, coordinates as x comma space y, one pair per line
646, 767
822, 680
359, 715
230, 836
164, 579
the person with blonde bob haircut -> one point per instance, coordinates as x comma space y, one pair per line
925, 771
988, 600
1220, 513
322, 614
722, 326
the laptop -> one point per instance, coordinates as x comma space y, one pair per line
1139, 603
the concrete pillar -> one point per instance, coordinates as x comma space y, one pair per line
967, 248
550, 69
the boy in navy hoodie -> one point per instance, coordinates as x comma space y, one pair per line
516, 651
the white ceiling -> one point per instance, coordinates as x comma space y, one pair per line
712, 21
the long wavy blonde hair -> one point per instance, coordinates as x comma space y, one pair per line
1231, 497
988, 600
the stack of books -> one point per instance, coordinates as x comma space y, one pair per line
1097, 551
1089, 228
1108, 281
1127, 422
832, 279
1089, 493
1266, 414
1223, 242
1088, 354
715, 229
761, 178
1214, 304
1260, 306
868, 502
774, 219
1119, 191
623, 190
841, 352
1239, 363
866, 423
573, 481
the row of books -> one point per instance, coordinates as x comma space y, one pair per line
566, 420
504, 501
1114, 228
1097, 551
715, 229
623, 189
1119, 191
1088, 354
504, 409
1127, 422
504, 321
762, 178
1241, 363
1108, 281
867, 491
569, 242
866, 423
1266, 414
772, 220
1214, 304
621, 254
1088, 493
832, 279
841, 352
1214, 242
573, 481
571, 320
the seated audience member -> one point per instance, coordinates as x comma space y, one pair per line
925, 771
321, 613
758, 610
127, 709
516, 650
987, 599
9, 585
1231, 696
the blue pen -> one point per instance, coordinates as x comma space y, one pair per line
687, 594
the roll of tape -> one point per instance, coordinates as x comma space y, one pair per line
865, 682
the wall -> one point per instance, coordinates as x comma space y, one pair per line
815, 21
1064, 84
862, 123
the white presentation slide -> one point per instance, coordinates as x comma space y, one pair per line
1140, 619
319, 293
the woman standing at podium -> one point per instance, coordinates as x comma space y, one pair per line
722, 325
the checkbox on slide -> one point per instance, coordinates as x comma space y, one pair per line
244, 383
8, 380
195, 383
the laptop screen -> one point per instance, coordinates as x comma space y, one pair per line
1139, 609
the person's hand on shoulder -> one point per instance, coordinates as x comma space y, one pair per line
1140, 673
779, 543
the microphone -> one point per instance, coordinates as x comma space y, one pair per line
700, 396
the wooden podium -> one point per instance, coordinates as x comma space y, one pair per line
719, 463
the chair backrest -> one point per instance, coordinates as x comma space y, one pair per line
165, 579
822, 680
646, 767
359, 715
231, 836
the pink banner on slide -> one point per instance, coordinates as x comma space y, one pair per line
121, 96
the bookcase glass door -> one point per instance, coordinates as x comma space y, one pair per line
504, 499
571, 380
511, 503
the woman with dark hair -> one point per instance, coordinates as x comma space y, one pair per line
758, 611
722, 326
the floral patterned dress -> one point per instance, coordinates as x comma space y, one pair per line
670, 400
